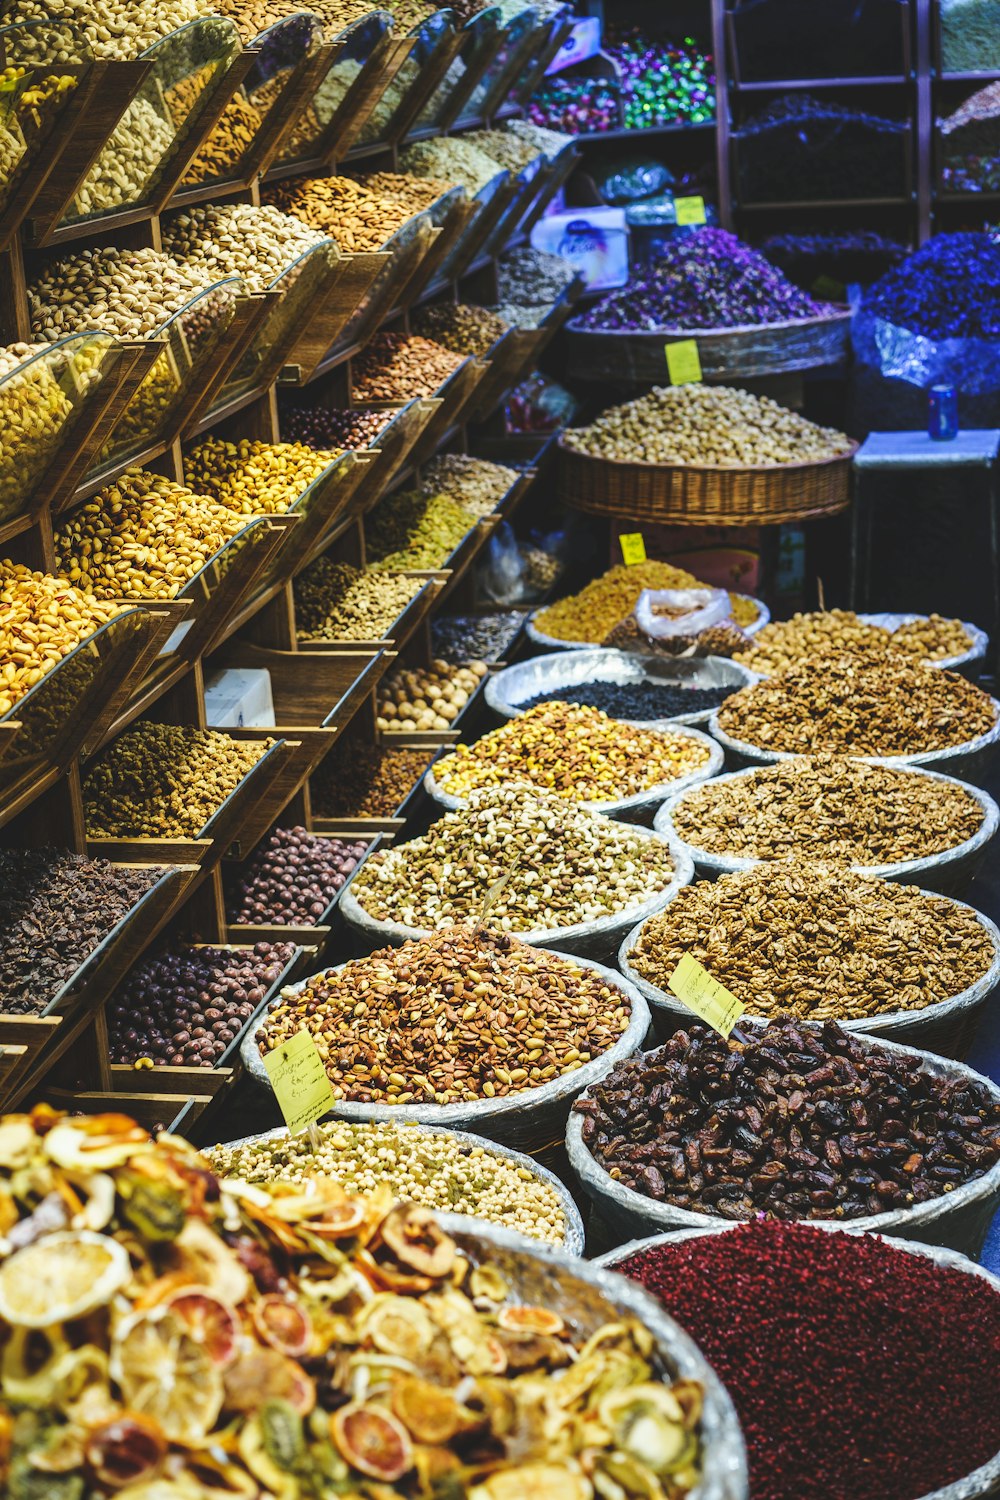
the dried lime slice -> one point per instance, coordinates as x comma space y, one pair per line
61, 1276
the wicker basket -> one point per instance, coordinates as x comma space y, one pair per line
710, 495
725, 354
958, 1219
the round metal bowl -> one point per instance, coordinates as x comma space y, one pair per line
970, 760
599, 939
531, 1119
931, 1028
552, 644
638, 808
947, 872
509, 690
587, 1296
959, 1219
980, 1483
573, 1239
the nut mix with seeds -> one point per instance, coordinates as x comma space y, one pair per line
835, 632
818, 942
334, 601
794, 1123
432, 1168
706, 425
828, 807
882, 705
606, 601
462, 1015
565, 866
164, 780
576, 752
272, 1339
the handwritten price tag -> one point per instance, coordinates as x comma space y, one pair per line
299, 1080
683, 362
633, 548
711, 1002
690, 210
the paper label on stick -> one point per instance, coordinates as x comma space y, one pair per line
633, 548
711, 1001
299, 1080
689, 210
683, 362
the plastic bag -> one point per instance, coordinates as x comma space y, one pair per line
630, 179
970, 364
696, 610
502, 577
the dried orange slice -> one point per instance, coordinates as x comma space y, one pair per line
125, 1451
260, 1375
282, 1324
61, 1276
432, 1415
533, 1482
528, 1319
166, 1374
416, 1240
209, 1321
372, 1440
398, 1325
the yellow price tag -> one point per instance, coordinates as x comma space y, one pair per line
690, 210
633, 548
683, 362
299, 1080
711, 1001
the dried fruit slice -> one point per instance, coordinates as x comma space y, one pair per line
432, 1415
416, 1240
125, 1451
96, 1142
647, 1422
533, 1482
164, 1373
61, 1276
371, 1440
283, 1324
260, 1375
528, 1319
209, 1321
398, 1325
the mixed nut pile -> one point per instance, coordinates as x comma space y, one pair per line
818, 942
462, 1015
576, 752
859, 705
561, 865
828, 807
431, 1167
838, 632
706, 424
205, 1324
792, 1122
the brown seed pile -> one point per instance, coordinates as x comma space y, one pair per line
611, 598
879, 705
164, 781
458, 1016
460, 326
836, 632
797, 1123
337, 602
358, 215
828, 807
818, 942
400, 367
577, 752
366, 781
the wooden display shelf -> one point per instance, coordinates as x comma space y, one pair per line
562, 168
392, 827
389, 292
457, 394
510, 359
474, 237
370, 88
81, 473
23, 1040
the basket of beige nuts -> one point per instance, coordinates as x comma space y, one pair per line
705, 455
422, 698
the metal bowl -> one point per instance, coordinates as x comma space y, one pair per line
530, 1119
959, 1219
509, 690
947, 872
587, 1296
970, 760
599, 939
635, 809
977, 1485
552, 644
929, 1028
573, 1239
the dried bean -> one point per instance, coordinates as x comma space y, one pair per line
291, 879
